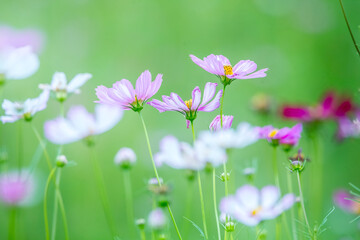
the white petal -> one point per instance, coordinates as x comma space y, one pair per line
249, 197
107, 117
269, 196
60, 131
58, 81
78, 81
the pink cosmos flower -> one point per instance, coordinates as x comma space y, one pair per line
16, 188
331, 106
190, 108
14, 38
123, 94
81, 124
348, 128
157, 219
341, 198
216, 123
24, 110
284, 136
251, 206
221, 66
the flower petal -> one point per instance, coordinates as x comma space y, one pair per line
214, 104
106, 117
249, 197
78, 81
196, 98
143, 85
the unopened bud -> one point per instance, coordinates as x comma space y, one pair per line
61, 95
222, 177
230, 226
140, 223
61, 161
125, 158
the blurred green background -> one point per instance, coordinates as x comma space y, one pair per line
305, 44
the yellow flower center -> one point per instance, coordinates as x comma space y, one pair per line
273, 133
255, 211
228, 70
188, 103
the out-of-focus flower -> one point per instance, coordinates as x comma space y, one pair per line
331, 106
181, 155
61, 161
288, 137
16, 38
157, 219
81, 124
251, 206
221, 67
298, 161
191, 107
18, 63
24, 110
216, 123
244, 135
16, 188
140, 223
348, 128
261, 103
123, 94
125, 158
342, 199
61, 88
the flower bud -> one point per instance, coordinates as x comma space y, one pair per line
230, 226
27, 116
140, 223
61, 95
190, 175
249, 173
222, 177
157, 219
298, 162
125, 158
61, 161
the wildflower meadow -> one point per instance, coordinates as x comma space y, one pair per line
164, 120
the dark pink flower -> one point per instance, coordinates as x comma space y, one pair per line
123, 94
342, 199
189, 108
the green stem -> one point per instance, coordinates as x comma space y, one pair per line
202, 205
275, 167
302, 202
292, 214
189, 204
46, 154
221, 107
231, 236
21, 145
157, 175
55, 211
129, 201
215, 207
225, 235
318, 170
47, 233
103, 196
348, 26
62, 209
12, 223
142, 233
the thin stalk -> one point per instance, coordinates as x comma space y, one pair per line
189, 204
318, 191
12, 223
292, 214
225, 235
231, 236
47, 232
46, 154
302, 202
215, 207
55, 211
21, 145
62, 209
277, 183
202, 205
101, 188
156, 173
129, 201
221, 107
142, 234
348, 26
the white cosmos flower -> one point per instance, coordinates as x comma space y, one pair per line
125, 156
17, 63
59, 83
24, 110
81, 124
244, 135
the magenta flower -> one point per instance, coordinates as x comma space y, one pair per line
191, 107
216, 123
330, 107
342, 199
221, 66
123, 94
16, 188
288, 137
251, 206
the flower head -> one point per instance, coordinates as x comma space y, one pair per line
157, 219
298, 161
24, 110
343, 199
61, 88
16, 188
287, 137
221, 66
17, 63
251, 206
81, 124
191, 107
125, 157
123, 94
61, 161
216, 123
244, 135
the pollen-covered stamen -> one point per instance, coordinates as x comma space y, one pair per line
188, 103
273, 133
228, 70
255, 211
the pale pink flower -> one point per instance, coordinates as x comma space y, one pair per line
157, 219
216, 123
123, 94
125, 157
